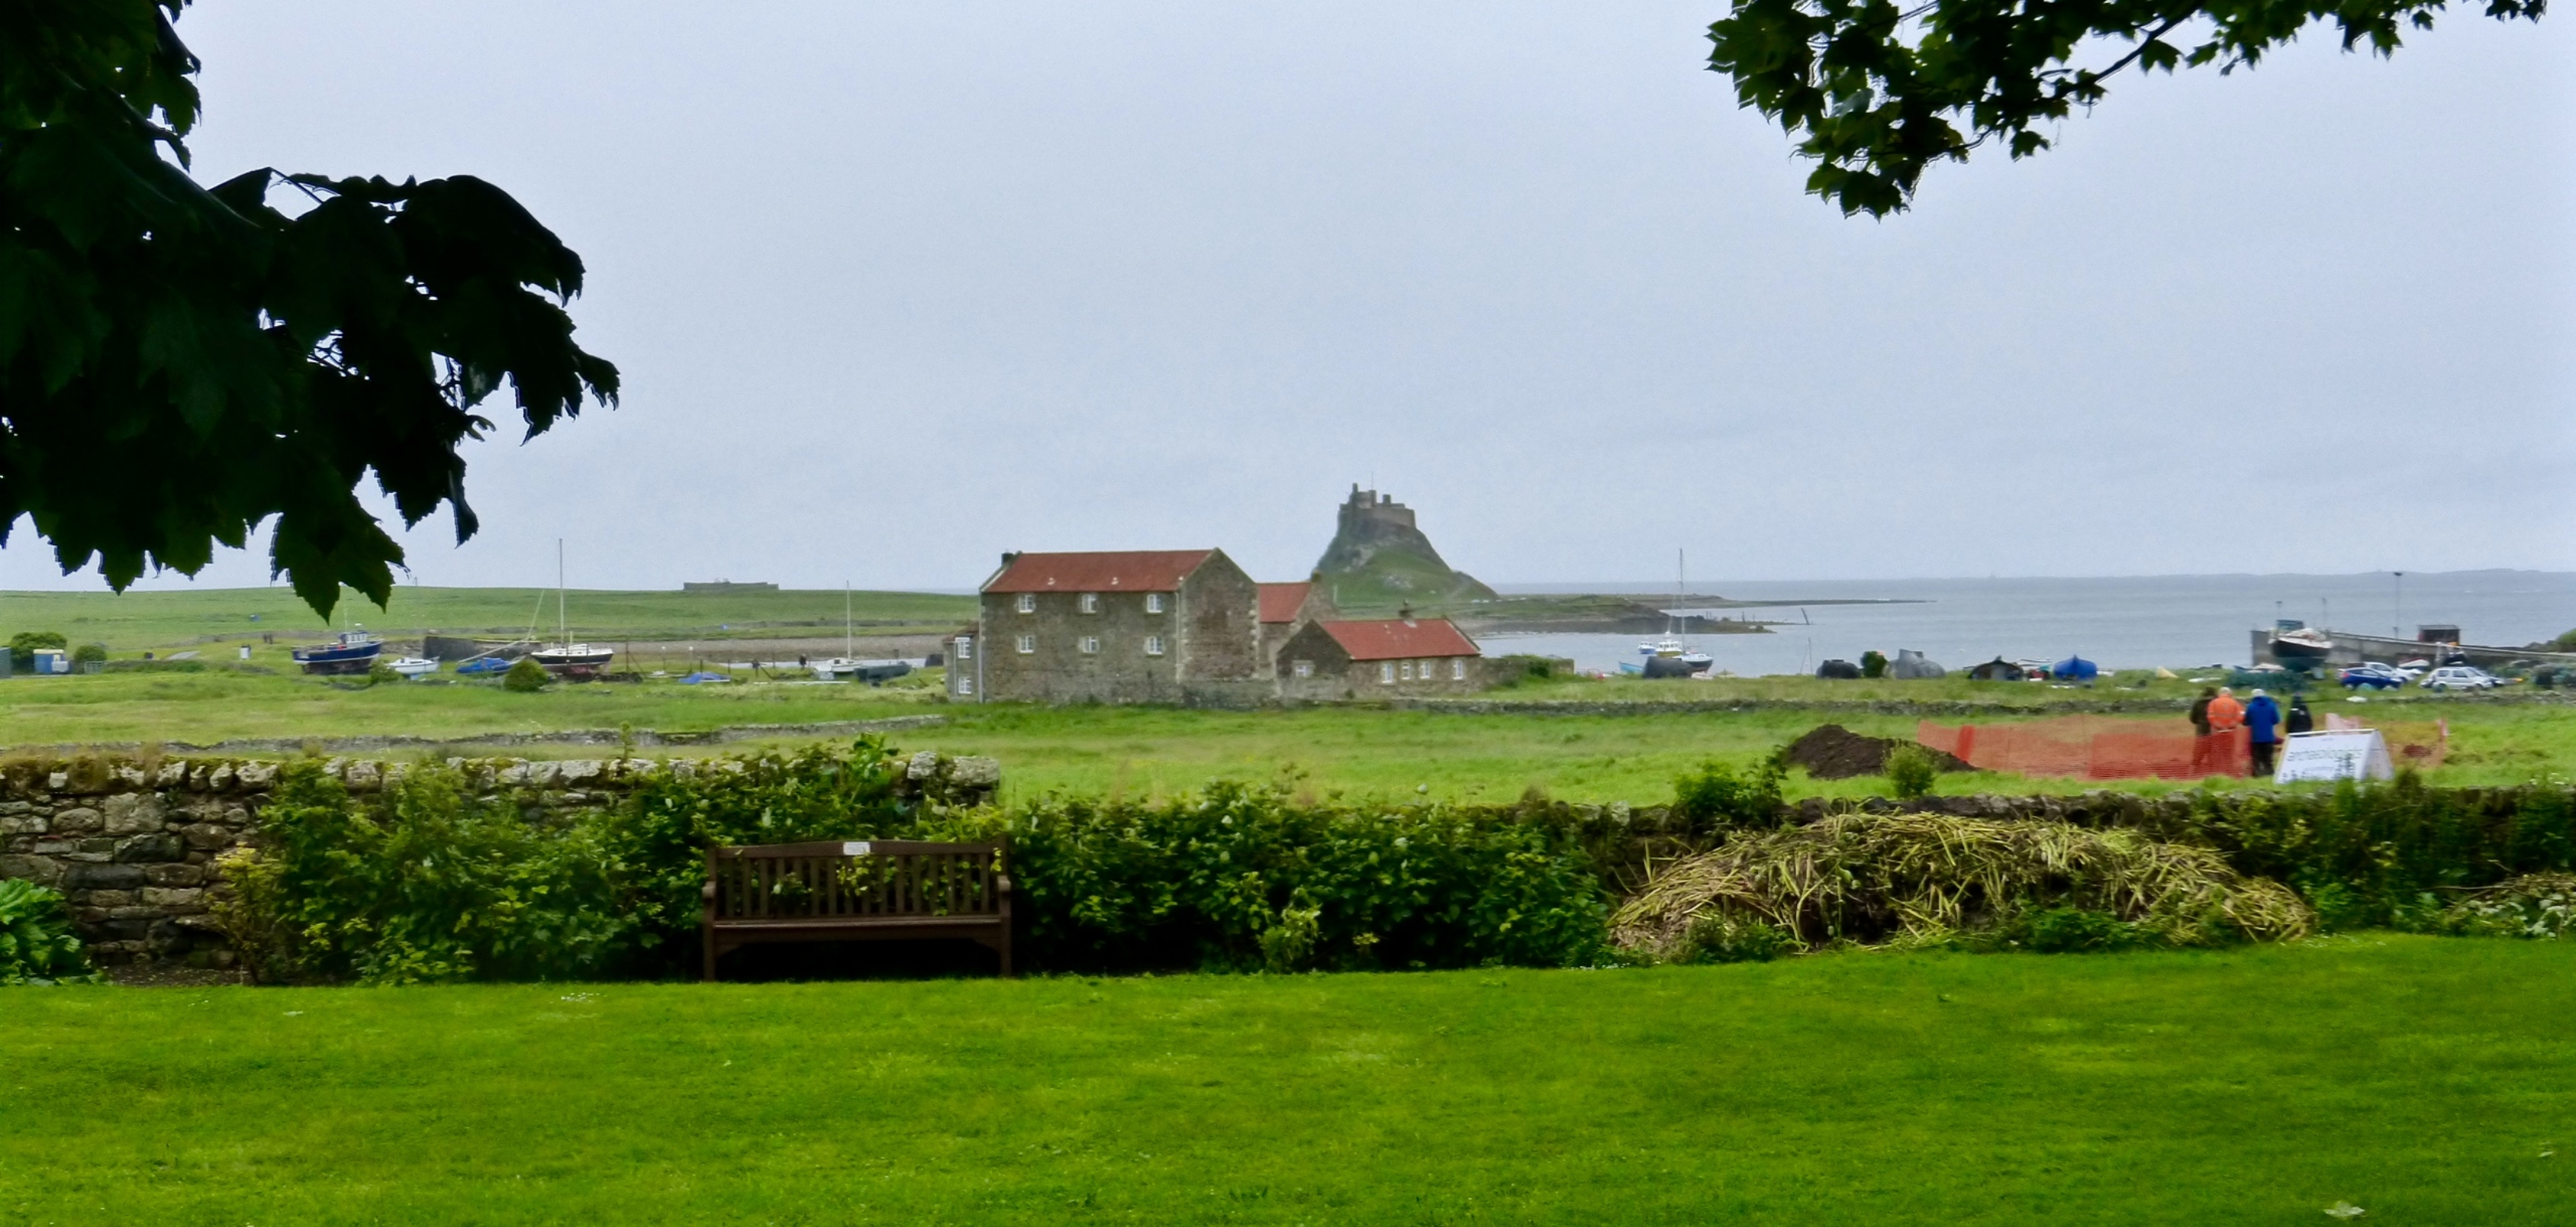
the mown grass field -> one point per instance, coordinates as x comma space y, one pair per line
2427, 1081
1629, 753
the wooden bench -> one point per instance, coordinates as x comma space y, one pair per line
856, 890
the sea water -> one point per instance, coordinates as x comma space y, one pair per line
2119, 623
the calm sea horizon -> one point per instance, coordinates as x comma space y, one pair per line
2123, 622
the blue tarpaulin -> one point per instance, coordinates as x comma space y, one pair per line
2075, 668
702, 676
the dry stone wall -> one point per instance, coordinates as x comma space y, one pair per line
131, 843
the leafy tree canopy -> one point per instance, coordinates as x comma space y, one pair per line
179, 363
1876, 93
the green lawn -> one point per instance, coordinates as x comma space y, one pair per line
1631, 755
2427, 1081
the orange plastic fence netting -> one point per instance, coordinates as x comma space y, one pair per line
2093, 748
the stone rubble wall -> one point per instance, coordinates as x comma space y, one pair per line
131, 843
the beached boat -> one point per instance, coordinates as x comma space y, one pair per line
2295, 642
352, 652
573, 661
568, 660
414, 667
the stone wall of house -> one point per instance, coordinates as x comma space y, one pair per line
131, 842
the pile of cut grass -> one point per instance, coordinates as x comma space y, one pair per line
1918, 878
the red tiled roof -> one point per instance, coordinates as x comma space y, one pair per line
1396, 638
1112, 571
1280, 602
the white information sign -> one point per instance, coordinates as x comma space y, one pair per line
2342, 754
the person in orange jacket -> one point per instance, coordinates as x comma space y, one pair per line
2225, 713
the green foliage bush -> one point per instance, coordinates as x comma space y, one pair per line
1719, 938
424, 881
36, 942
1911, 771
90, 654
2391, 855
526, 676
1239, 878
1873, 663
1715, 796
23, 645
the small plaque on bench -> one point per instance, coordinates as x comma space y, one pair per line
854, 849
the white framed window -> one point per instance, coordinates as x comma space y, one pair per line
1028, 602
1091, 645
965, 649
1091, 602
1028, 644
965, 685
1305, 668
1386, 673
1458, 669
1153, 602
1153, 645
1405, 671
1425, 672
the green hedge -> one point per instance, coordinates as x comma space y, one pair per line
426, 882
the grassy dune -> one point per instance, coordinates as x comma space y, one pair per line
134, 621
2427, 1081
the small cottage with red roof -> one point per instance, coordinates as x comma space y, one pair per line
1128, 626
1287, 608
1382, 658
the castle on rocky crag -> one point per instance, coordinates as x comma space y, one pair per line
1379, 557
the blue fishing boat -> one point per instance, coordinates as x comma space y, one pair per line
351, 652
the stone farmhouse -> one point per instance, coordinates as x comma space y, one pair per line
1189, 627
1136, 626
1382, 658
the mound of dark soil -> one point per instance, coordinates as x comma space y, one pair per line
1832, 752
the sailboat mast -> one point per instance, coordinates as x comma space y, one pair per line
849, 629
563, 632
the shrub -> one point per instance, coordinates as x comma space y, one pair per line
1715, 796
1239, 878
1873, 663
1911, 771
2541, 905
23, 645
2073, 930
90, 654
1719, 938
426, 882
381, 671
36, 942
526, 676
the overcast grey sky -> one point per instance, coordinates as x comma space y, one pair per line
896, 287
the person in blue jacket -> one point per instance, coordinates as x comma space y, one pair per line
2263, 724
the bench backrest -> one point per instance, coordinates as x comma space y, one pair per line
855, 879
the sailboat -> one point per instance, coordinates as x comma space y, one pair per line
844, 666
568, 660
1669, 656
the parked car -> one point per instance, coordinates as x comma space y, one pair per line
2375, 676
2461, 677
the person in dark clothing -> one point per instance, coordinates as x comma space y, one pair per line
2300, 721
2263, 728
2200, 730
